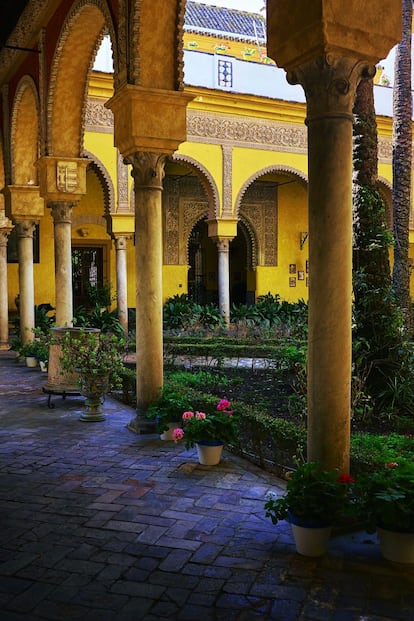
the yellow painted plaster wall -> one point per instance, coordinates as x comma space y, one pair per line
174, 279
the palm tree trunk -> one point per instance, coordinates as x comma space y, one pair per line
401, 163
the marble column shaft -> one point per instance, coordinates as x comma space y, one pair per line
224, 278
330, 84
4, 306
62, 221
148, 173
24, 231
121, 279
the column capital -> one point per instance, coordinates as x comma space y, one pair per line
222, 243
330, 84
147, 169
121, 240
4, 236
61, 211
301, 30
62, 178
25, 228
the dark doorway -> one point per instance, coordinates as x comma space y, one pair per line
238, 268
87, 268
202, 275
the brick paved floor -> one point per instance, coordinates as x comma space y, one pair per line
98, 523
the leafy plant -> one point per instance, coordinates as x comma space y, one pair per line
387, 497
92, 353
314, 496
97, 314
221, 425
168, 407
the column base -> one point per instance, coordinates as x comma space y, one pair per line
141, 425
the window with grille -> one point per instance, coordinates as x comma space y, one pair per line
225, 73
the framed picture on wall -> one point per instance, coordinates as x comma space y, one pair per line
301, 275
292, 282
292, 268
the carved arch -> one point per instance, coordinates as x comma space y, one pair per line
252, 243
281, 170
25, 134
385, 190
81, 35
105, 181
207, 181
191, 225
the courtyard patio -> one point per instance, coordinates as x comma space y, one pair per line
101, 524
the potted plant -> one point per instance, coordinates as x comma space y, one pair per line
387, 501
41, 345
29, 352
98, 359
167, 410
315, 499
208, 432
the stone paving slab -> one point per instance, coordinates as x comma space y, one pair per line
97, 523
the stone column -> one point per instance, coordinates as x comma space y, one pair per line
330, 84
121, 279
224, 278
24, 231
328, 50
62, 221
4, 306
148, 173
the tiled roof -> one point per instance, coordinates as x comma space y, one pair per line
222, 21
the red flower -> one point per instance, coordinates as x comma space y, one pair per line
391, 464
346, 478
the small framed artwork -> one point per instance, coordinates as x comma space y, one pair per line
301, 275
307, 266
292, 281
307, 281
292, 268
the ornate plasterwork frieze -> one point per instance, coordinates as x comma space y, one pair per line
122, 176
227, 178
98, 118
22, 34
222, 128
259, 211
246, 132
385, 150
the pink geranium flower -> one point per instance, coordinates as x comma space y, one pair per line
223, 404
177, 434
187, 415
200, 415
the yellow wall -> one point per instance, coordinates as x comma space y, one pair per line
247, 162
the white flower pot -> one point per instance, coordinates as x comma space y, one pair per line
43, 366
311, 541
167, 433
31, 361
397, 547
209, 453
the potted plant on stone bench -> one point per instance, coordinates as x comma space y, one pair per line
98, 360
